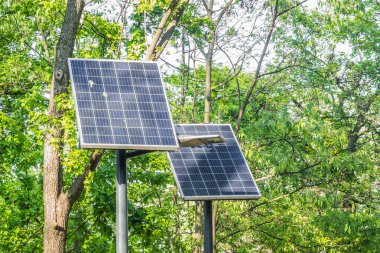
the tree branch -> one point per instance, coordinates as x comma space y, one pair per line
33, 235
278, 70
286, 240
291, 8
279, 197
265, 178
77, 186
221, 14
272, 26
204, 4
160, 29
168, 33
258, 68
312, 165
45, 44
243, 230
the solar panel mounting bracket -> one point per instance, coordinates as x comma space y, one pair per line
198, 140
185, 141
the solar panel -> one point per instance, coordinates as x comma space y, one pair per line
217, 171
121, 105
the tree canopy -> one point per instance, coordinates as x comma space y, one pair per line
298, 80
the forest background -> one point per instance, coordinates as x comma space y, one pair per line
298, 80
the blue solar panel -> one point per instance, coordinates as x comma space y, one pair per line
121, 105
217, 171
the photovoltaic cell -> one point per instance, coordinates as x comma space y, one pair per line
121, 105
217, 171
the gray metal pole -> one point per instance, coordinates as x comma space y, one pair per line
207, 207
121, 202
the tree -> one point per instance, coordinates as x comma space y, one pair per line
209, 40
57, 201
310, 132
276, 12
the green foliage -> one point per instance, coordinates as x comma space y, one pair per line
99, 37
310, 133
23, 80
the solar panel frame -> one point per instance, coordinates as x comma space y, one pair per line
216, 197
84, 144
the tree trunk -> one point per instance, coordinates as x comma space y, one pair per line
208, 91
198, 226
214, 223
56, 202
184, 69
193, 118
56, 220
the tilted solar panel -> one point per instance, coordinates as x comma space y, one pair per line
217, 171
121, 105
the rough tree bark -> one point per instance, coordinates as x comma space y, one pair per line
56, 201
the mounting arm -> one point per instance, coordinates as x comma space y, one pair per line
184, 141
195, 141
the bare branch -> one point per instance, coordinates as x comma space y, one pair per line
45, 44
278, 198
205, 4
278, 70
221, 14
265, 178
287, 240
258, 68
243, 230
291, 8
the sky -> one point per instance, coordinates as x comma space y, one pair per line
172, 56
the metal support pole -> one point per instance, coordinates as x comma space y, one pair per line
208, 247
121, 203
